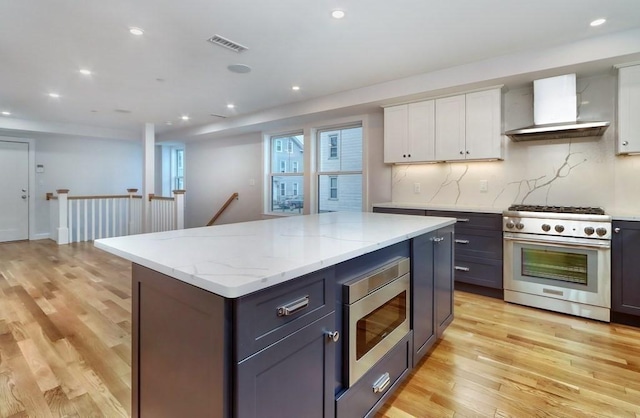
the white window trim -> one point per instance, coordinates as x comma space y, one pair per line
310, 174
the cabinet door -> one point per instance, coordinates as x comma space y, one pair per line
625, 268
422, 131
396, 134
291, 378
422, 321
628, 109
450, 128
443, 278
483, 125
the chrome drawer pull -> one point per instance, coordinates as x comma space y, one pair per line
462, 219
293, 307
437, 239
332, 336
461, 268
462, 241
382, 383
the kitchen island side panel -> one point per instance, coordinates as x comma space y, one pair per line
181, 355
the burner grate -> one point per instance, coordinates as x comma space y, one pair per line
558, 209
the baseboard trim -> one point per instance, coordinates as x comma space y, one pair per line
36, 237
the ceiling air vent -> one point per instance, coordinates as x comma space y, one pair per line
224, 42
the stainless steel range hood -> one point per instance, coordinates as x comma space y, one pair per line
555, 113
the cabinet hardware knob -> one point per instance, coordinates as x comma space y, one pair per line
625, 143
382, 383
293, 307
468, 152
461, 152
404, 155
437, 239
616, 230
409, 155
332, 336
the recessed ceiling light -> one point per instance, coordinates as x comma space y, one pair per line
54, 95
231, 106
135, 31
85, 71
184, 117
6, 113
337, 14
598, 22
295, 88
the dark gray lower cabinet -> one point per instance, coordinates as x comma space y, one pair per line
625, 272
432, 288
291, 378
422, 291
443, 255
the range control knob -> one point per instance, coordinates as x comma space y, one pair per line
510, 225
559, 228
589, 230
601, 231
519, 225
546, 227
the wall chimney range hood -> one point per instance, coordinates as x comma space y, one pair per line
555, 113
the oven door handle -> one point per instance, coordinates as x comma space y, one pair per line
598, 245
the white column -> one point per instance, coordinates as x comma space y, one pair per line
63, 221
148, 175
178, 201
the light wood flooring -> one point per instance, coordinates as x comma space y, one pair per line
65, 349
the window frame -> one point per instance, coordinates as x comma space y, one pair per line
278, 159
333, 189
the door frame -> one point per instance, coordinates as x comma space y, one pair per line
32, 184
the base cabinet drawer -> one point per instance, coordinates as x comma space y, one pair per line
264, 318
478, 271
484, 244
369, 393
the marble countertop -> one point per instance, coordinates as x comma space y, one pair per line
429, 206
233, 260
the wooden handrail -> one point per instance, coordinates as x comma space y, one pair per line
154, 197
50, 196
222, 209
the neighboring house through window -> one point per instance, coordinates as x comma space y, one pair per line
286, 173
278, 145
333, 146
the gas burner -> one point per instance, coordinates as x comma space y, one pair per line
557, 209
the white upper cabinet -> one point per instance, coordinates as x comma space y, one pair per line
463, 127
483, 125
409, 132
450, 128
629, 109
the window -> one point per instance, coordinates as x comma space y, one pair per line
333, 146
286, 173
339, 161
333, 187
178, 182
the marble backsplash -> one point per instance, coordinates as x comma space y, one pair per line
572, 172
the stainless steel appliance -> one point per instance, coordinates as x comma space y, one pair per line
377, 315
558, 258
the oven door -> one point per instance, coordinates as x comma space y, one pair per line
571, 269
376, 323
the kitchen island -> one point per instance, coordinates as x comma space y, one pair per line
245, 319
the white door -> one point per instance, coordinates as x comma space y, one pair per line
14, 191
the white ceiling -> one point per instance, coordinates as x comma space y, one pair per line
171, 70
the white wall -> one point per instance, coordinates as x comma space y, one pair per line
577, 172
215, 169
85, 167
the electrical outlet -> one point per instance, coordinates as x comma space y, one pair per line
416, 188
484, 186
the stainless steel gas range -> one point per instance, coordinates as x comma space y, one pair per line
558, 258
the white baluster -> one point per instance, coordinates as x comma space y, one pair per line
178, 204
63, 216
